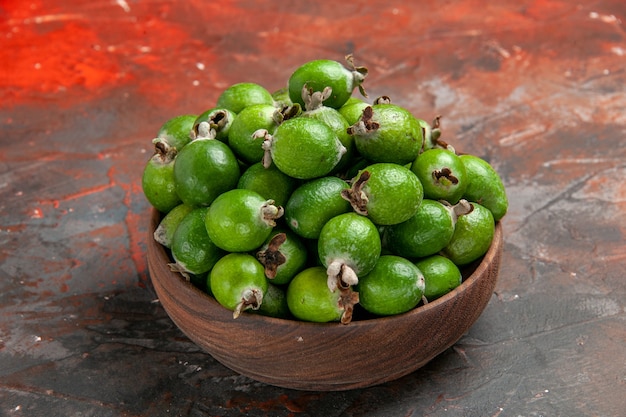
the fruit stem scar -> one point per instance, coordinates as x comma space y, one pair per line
340, 276
445, 176
365, 124
358, 74
163, 152
176, 267
271, 212
461, 208
315, 99
206, 131
383, 100
355, 195
286, 113
271, 258
266, 145
250, 299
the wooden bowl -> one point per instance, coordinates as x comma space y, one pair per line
329, 356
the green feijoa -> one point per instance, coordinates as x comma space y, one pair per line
176, 132
387, 133
282, 255
241, 140
349, 246
485, 186
271, 183
321, 73
281, 98
309, 298
313, 203
302, 148
157, 181
241, 220
241, 95
353, 110
204, 169
192, 249
238, 283
472, 236
394, 286
441, 276
213, 123
275, 303
386, 193
442, 175
333, 119
427, 232
164, 233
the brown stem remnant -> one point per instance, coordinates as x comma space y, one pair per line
365, 124
271, 258
355, 195
250, 299
347, 300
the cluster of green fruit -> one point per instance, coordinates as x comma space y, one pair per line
310, 201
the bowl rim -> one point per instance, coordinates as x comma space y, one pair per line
478, 269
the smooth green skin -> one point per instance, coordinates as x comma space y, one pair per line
472, 236
399, 138
176, 131
234, 221
434, 160
319, 74
309, 298
192, 249
271, 183
333, 119
424, 234
275, 303
351, 239
485, 186
222, 133
305, 148
353, 110
441, 276
295, 253
241, 95
312, 204
232, 275
394, 286
249, 120
158, 184
394, 193
164, 233
204, 169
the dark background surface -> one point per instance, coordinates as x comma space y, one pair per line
535, 87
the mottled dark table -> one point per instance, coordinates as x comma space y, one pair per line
536, 87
